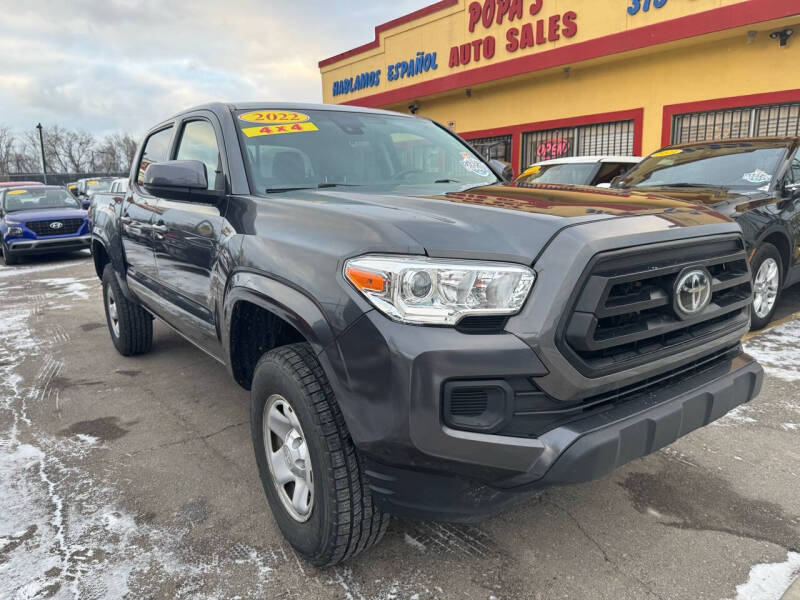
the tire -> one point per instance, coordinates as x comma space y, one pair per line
131, 329
337, 519
767, 268
8, 259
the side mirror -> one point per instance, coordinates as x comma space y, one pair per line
179, 180
615, 182
502, 169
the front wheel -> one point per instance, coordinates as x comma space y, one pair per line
311, 472
767, 270
8, 259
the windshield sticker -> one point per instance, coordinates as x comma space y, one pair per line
93, 182
757, 176
474, 165
15, 192
278, 129
667, 152
274, 117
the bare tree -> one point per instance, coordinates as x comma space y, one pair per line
7, 144
65, 150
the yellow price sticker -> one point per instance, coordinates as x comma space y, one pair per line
15, 192
668, 152
274, 117
531, 171
278, 129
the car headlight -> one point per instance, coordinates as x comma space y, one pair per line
431, 291
14, 229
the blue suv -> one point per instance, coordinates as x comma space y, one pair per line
39, 219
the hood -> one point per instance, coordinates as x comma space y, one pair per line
46, 214
512, 223
726, 201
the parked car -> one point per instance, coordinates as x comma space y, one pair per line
756, 182
418, 337
40, 219
578, 170
89, 186
72, 188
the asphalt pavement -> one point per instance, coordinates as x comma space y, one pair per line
135, 477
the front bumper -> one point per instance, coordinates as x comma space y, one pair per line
25, 246
390, 394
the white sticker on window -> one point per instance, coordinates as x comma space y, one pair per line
474, 165
757, 176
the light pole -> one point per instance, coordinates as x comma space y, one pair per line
41, 147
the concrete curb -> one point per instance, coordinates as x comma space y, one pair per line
793, 593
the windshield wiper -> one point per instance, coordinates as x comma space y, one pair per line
687, 185
446, 181
319, 186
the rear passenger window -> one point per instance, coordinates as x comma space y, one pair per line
156, 149
199, 142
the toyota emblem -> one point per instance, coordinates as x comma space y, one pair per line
56, 225
692, 292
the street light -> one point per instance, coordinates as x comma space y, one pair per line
41, 147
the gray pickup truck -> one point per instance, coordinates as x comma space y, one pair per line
420, 337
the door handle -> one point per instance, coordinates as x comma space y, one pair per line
160, 228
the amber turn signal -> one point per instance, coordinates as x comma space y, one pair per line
365, 281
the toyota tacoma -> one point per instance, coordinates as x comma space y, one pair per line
419, 337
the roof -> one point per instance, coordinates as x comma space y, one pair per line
34, 185
285, 105
8, 184
589, 159
770, 140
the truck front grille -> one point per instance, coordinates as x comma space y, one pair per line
43, 228
624, 314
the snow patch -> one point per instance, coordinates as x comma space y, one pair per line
778, 350
68, 286
769, 581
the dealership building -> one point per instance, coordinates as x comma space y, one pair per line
528, 80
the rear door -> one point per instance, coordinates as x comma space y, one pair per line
136, 219
187, 235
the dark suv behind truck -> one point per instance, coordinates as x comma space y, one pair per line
418, 337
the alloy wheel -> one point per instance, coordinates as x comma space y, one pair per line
765, 286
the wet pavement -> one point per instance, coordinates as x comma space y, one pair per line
134, 477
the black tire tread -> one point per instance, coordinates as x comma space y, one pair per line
135, 323
358, 524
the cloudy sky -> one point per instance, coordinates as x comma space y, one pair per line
121, 65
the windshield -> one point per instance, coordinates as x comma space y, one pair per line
570, 173
320, 148
732, 166
39, 198
99, 185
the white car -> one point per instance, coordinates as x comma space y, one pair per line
578, 170
119, 186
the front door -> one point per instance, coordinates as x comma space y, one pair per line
136, 219
186, 240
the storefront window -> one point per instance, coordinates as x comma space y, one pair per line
497, 147
614, 138
749, 121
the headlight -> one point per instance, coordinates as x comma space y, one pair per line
439, 292
13, 230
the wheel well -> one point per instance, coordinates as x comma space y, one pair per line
782, 244
254, 331
100, 257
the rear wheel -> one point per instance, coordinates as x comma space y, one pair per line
767, 270
310, 469
130, 326
8, 259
